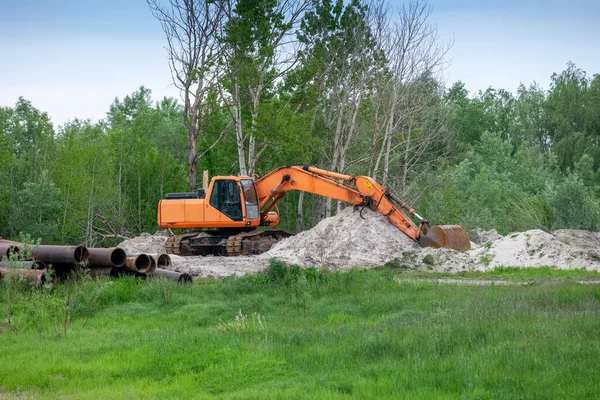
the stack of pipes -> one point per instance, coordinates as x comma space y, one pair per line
63, 260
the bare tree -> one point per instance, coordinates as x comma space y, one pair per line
260, 48
408, 119
351, 59
191, 28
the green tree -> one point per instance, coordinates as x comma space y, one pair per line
26, 142
259, 48
37, 211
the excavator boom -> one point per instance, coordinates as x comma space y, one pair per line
361, 191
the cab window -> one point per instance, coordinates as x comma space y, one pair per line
250, 198
225, 197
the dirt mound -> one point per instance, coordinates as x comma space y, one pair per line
568, 249
481, 236
217, 267
146, 243
578, 238
345, 240
565, 249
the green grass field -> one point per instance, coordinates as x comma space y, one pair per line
291, 333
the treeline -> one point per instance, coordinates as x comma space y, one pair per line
350, 87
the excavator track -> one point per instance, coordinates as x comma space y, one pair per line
215, 243
173, 243
257, 242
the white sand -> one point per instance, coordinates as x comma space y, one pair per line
347, 240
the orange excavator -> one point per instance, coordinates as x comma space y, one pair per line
232, 207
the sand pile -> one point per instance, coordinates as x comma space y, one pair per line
345, 240
206, 267
566, 249
146, 243
481, 236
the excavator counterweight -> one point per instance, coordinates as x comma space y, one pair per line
233, 207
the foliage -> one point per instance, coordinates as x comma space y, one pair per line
494, 159
363, 334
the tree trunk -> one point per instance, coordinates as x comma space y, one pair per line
388, 133
192, 161
386, 161
64, 222
238, 129
337, 149
405, 166
90, 219
252, 156
139, 203
299, 214
120, 200
251, 152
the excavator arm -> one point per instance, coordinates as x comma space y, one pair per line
361, 191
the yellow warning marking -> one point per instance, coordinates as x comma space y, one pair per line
368, 184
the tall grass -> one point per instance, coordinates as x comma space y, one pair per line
292, 333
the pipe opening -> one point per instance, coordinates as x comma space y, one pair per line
143, 263
118, 257
152, 265
8, 249
164, 261
81, 254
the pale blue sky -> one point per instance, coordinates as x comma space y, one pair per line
71, 58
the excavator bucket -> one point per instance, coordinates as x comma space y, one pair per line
453, 236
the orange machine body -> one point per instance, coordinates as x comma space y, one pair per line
230, 202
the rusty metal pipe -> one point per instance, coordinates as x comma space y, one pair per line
140, 263
180, 277
61, 254
153, 264
34, 276
24, 264
6, 249
111, 257
97, 271
100, 270
162, 260
64, 271
54, 254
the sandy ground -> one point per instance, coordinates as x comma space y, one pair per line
347, 240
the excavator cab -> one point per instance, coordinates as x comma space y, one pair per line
225, 197
227, 213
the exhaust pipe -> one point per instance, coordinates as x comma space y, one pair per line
113, 257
